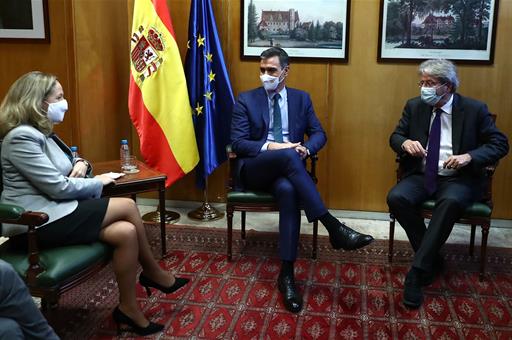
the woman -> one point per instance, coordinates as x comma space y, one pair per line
40, 175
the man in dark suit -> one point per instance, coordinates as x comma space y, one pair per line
267, 133
446, 141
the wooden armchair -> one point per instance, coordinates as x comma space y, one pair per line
49, 272
256, 201
479, 213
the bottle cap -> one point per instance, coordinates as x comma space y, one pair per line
124, 141
74, 148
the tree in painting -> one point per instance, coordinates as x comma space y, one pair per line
444, 24
252, 23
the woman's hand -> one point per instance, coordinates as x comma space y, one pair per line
79, 170
106, 180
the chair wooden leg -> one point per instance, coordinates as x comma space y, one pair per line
472, 240
45, 305
243, 225
315, 239
391, 237
49, 302
229, 213
483, 251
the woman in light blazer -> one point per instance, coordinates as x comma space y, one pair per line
39, 174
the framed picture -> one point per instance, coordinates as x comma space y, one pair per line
459, 30
24, 20
305, 29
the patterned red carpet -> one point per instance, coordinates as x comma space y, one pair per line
348, 295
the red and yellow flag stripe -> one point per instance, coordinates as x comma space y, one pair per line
158, 98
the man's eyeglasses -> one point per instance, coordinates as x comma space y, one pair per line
428, 83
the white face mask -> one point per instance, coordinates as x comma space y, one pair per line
429, 95
56, 111
270, 83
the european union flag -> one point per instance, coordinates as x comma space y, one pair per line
209, 89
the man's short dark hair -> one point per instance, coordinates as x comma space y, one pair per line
276, 51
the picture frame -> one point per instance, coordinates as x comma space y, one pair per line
438, 29
24, 21
305, 29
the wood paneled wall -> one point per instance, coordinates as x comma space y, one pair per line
19, 58
358, 103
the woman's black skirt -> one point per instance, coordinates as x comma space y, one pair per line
82, 226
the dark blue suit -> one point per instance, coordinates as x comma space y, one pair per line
473, 132
281, 172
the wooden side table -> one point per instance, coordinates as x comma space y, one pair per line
145, 180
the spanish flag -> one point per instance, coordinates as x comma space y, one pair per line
158, 98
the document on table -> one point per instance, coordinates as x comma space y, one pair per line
114, 175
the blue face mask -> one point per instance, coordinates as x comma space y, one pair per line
429, 95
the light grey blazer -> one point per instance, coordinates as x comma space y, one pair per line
35, 176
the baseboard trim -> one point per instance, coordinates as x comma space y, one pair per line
353, 214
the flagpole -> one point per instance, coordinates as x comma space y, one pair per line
205, 212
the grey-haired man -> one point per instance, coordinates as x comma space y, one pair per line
446, 141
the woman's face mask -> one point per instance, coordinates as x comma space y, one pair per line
56, 111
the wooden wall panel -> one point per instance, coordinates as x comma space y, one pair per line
56, 58
102, 72
359, 103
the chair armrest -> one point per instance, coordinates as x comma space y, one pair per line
489, 172
399, 167
312, 172
13, 214
229, 152
231, 166
490, 169
10, 212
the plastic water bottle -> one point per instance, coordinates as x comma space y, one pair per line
74, 151
124, 154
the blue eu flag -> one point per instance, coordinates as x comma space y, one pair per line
209, 89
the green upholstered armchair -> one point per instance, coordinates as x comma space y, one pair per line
49, 272
256, 201
479, 213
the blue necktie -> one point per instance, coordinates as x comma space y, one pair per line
432, 161
277, 129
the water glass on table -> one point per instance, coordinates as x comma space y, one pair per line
129, 165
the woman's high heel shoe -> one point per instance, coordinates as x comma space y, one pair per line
146, 283
121, 318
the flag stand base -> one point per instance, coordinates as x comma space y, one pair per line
171, 217
205, 213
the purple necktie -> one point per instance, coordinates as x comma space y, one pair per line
432, 161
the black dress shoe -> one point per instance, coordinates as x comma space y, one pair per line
413, 293
121, 318
292, 298
147, 283
344, 237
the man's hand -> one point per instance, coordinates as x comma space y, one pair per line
278, 146
414, 148
79, 170
457, 162
105, 179
302, 150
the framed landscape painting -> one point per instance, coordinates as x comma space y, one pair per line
24, 20
305, 29
460, 30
